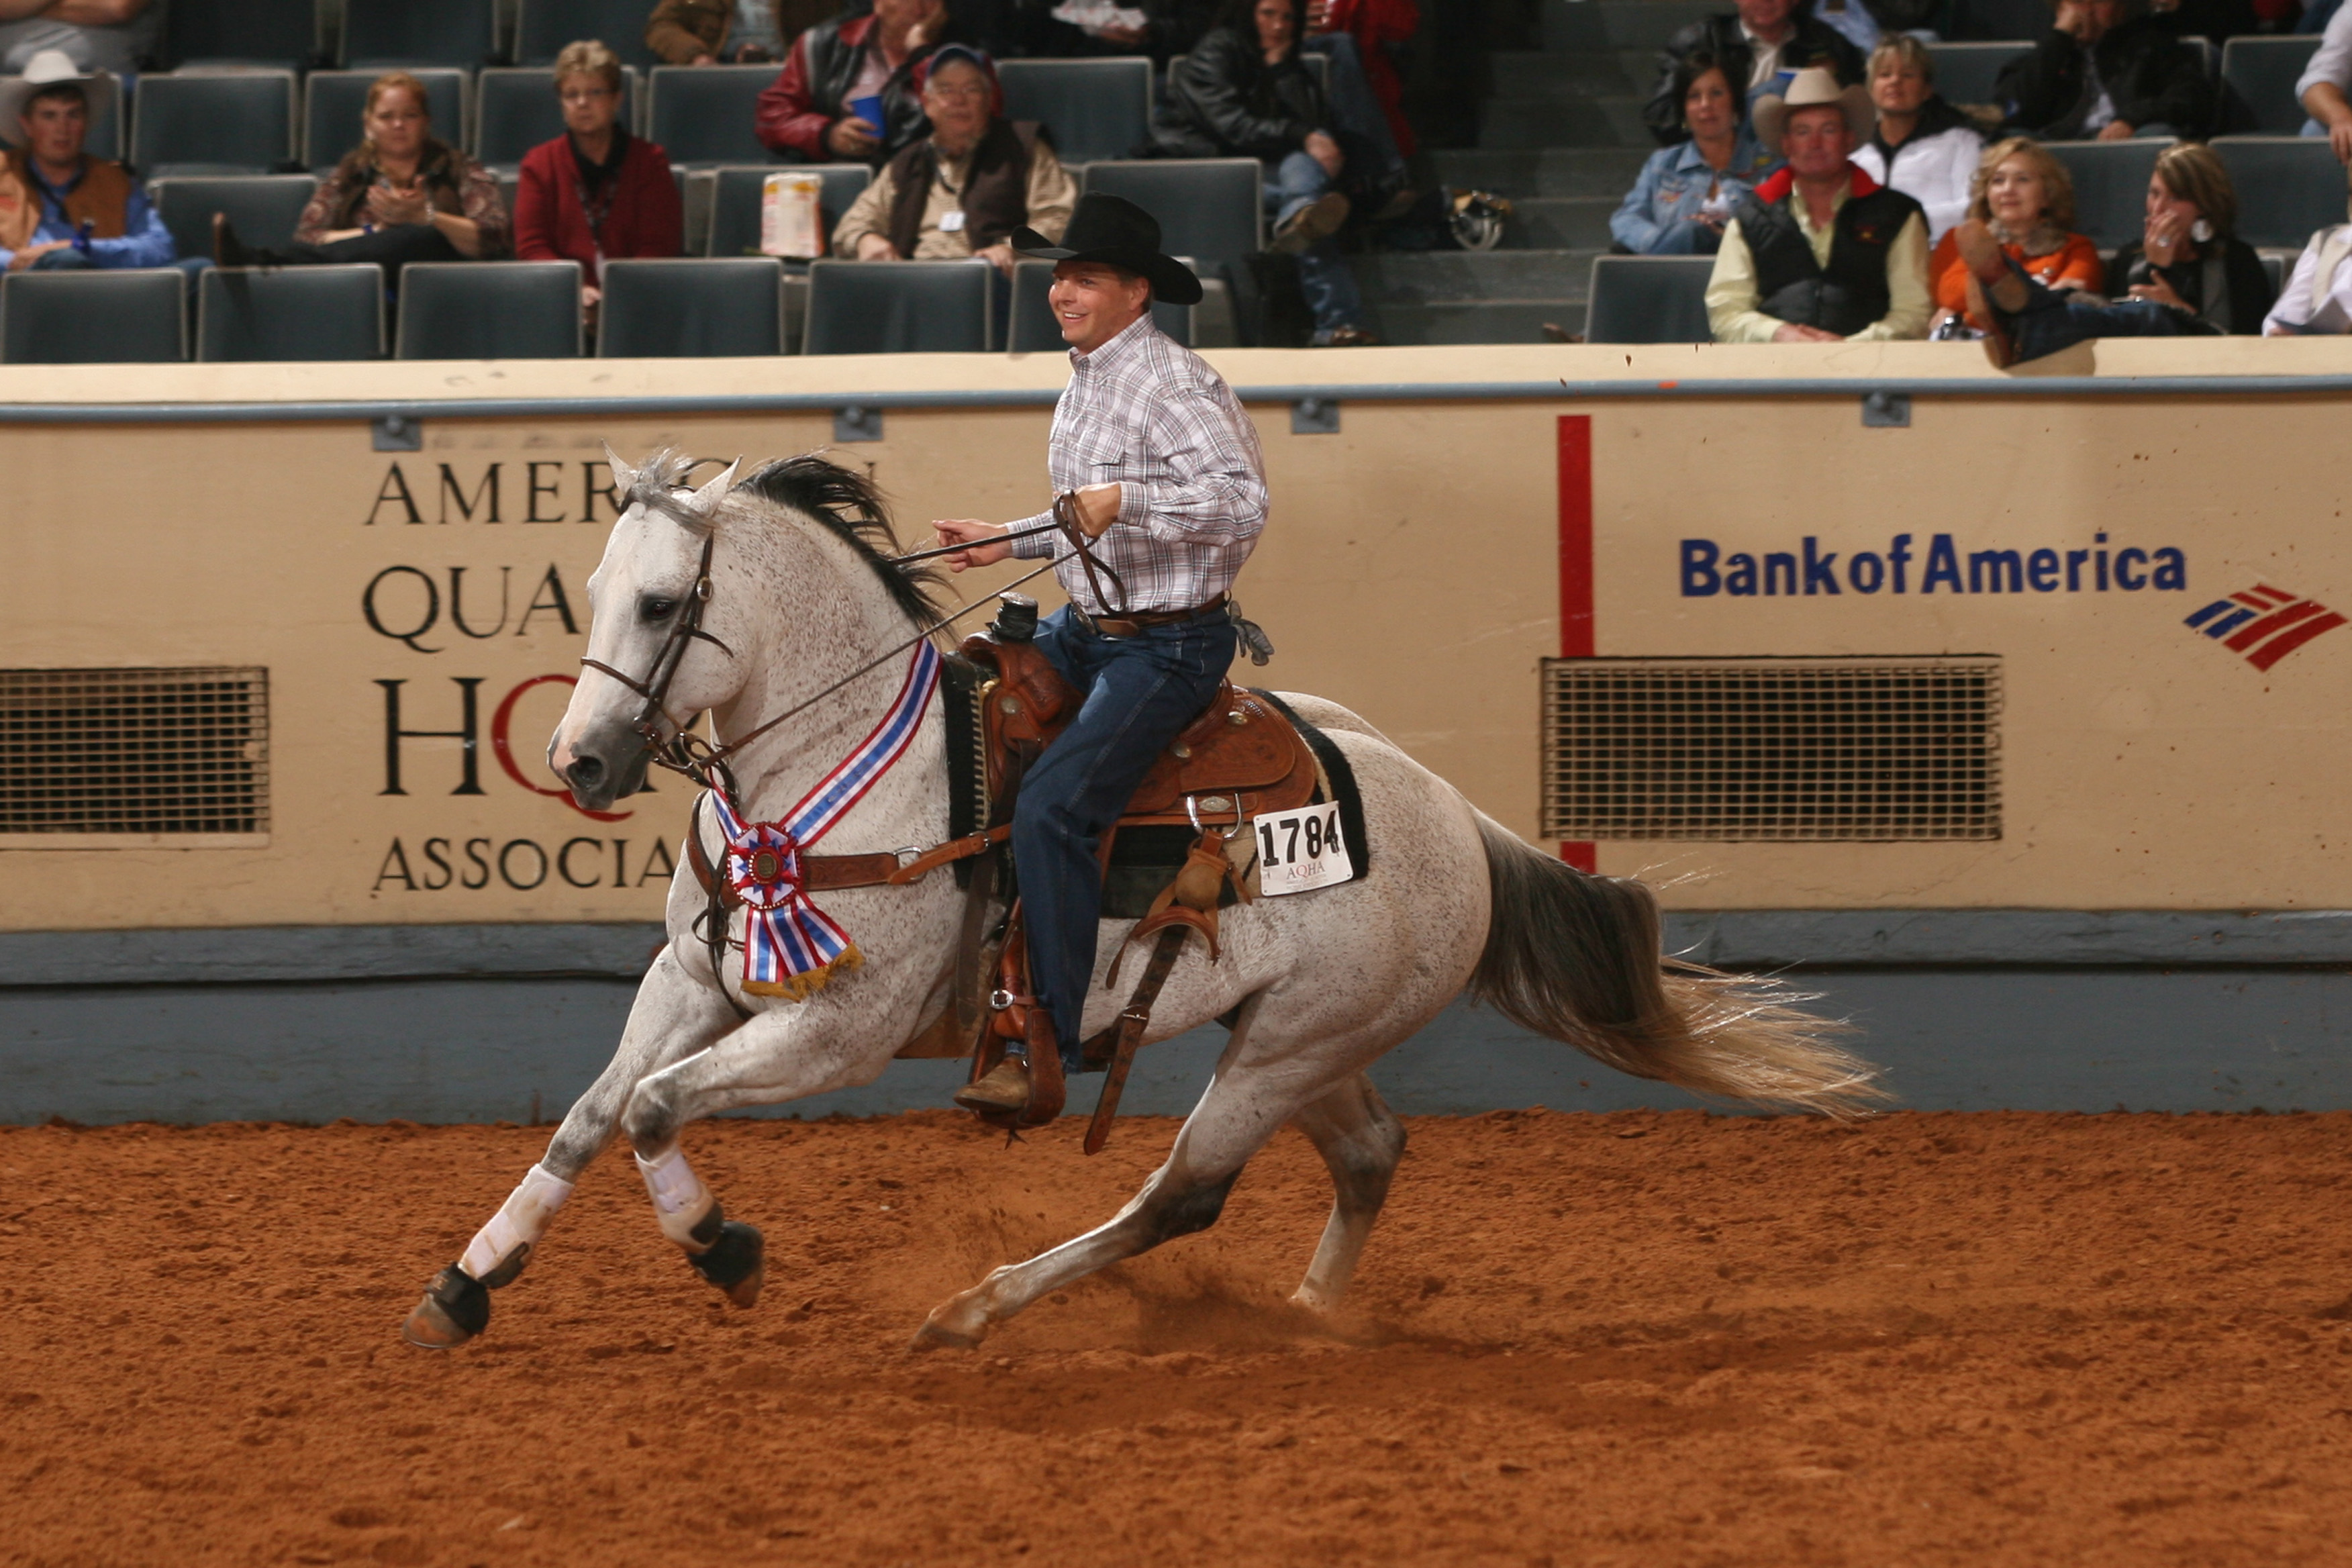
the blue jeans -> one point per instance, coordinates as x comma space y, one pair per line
2052, 321
73, 260
1323, 276
1361, 118
1140, 693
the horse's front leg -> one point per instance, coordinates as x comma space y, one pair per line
675, 1016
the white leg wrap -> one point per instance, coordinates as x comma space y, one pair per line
680, 1200
522, 1220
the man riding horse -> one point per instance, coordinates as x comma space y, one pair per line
1165, 482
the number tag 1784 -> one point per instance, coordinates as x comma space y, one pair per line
1301, 850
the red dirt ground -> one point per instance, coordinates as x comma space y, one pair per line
1637, 1339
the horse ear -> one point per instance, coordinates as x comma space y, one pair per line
623, 476
706, 499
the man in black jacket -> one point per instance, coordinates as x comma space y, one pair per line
2106, 70
1774, 35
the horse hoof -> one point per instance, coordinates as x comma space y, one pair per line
455, 1308
935, 1335
736, 1262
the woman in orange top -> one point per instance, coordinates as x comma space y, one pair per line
2022, 195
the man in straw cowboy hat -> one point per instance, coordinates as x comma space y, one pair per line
1820, 252
60, 207
1168, 483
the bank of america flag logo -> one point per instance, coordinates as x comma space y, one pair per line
2264, 623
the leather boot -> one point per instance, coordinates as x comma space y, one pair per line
1006, 1087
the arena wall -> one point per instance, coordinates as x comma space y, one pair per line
404, 548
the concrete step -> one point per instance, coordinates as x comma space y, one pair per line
1563, 121
1482, 321
1559, 223
1531, 73
1619, 23
1543, 171
1461, 277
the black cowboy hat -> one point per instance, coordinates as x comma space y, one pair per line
1114, 230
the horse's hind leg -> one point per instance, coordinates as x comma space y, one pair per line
1362, 1143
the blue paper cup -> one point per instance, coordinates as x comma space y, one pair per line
869, 109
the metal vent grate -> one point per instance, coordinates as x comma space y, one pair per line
1771, 749
134, 751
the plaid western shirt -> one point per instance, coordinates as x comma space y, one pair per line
1145, 411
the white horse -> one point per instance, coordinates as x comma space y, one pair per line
802, 594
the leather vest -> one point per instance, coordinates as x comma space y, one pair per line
102, 199
995, 191
1848, 294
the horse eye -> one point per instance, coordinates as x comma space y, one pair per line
656, 609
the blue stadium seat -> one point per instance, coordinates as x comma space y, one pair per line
238, 123
1208, 209
1033, 330
263, 208
704, 114
2288, 186
735, 202
1090, 109
515, 109
335, 102
280, 33
290, 313
105, 137
381, 34
1965, 73
546, 25
489, 310
1648, 300
134, 317
692, 308
2110, 186
2258, 77
898, 307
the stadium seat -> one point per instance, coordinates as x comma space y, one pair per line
290, 313
1090, 109
901, 307
692, 308
1208, 209
2258, 77
381, 34
1033, 330
735, 202
546, 25
239, 123
515, 109
135, 317
2207, 54
1648, 300
1965, 73
279, 33
489, 310
264, 208
335, 101
703, 115
105, 137
2110, 186
2287, 187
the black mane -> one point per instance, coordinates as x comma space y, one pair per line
849, 504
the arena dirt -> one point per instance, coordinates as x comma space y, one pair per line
1641, 1338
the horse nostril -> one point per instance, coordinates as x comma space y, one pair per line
584, 772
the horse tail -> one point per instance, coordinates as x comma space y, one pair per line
1578, 958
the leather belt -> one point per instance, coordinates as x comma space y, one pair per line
1128, 626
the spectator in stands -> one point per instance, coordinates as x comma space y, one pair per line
848, 88
1243, 93
1771, 38
1820, 252
400, 195
595, 193
2024, 197
95, 35
1923, 146
60, 207
2106, 70
2188, 276
1359, 34
962, 190
1686, 193
2326, 85
2318, 294
730, 32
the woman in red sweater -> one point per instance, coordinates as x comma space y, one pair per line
595, 193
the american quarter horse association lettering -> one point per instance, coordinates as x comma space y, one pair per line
779, 596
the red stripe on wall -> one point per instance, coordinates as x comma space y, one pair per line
1576, 569
2276, 621
2279, 647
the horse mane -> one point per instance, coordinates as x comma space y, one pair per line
845, 503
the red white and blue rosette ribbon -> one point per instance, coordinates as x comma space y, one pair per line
791, 947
